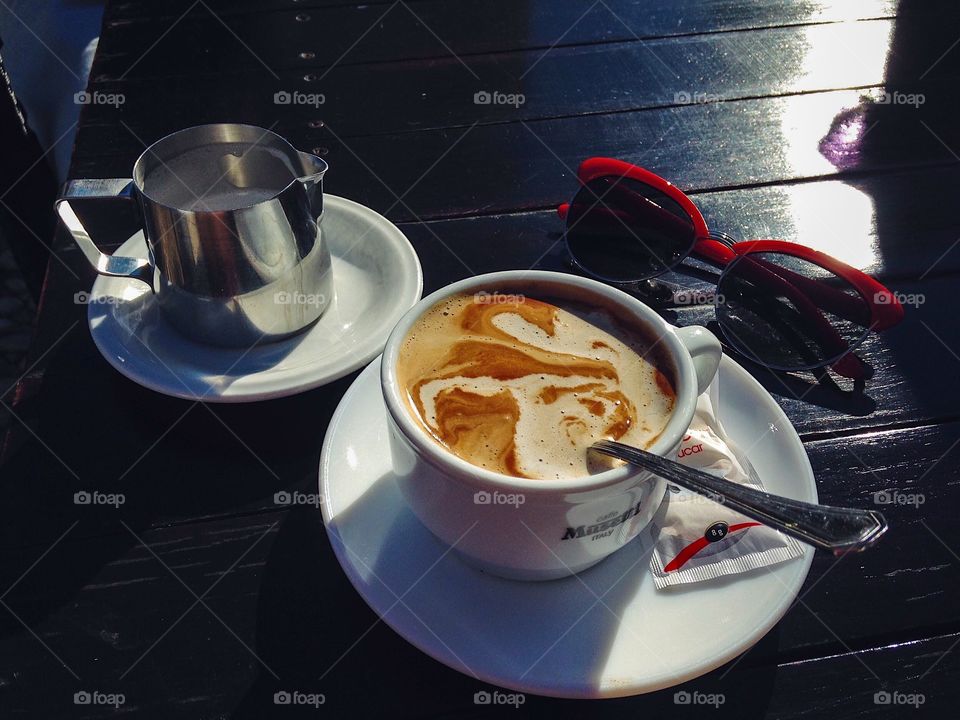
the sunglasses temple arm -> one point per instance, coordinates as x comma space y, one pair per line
826, 334
830, 299
787, 326
664, 220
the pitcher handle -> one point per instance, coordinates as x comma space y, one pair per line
112, 265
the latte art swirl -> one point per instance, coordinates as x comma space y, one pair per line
525, 387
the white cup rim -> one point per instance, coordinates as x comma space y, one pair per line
451, 464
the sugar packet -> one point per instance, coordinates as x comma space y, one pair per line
700, 539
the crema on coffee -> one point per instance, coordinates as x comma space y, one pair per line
523, 387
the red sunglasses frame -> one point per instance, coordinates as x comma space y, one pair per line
885, 310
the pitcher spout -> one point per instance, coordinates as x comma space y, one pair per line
314, 169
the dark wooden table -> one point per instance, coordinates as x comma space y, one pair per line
199, 597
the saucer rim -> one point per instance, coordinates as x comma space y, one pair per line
582, 690
400, 241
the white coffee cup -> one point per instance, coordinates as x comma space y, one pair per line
540, 529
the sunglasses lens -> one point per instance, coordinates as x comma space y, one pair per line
788, 313
620, 230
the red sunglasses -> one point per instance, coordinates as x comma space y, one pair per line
783, 305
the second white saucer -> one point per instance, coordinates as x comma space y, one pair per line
377, 278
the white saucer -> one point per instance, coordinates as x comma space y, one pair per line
377, 278
544, 637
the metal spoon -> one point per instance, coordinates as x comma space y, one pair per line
837, 529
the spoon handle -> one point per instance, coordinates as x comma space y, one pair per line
831, 528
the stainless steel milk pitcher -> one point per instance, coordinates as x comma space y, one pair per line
231, 214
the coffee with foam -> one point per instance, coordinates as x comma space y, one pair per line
523, 387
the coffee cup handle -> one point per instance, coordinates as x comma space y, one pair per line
104, 264
705, 351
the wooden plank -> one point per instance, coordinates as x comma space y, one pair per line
249, 47
722, 11
913, 574
848, 685
150, 9
867, 222
107, 601
277, 605
224, 36
862, 220
398, 97
494, 168
624, 76
845, 685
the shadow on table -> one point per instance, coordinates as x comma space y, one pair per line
914, 220
96, 434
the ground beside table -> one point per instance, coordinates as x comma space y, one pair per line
16, 326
